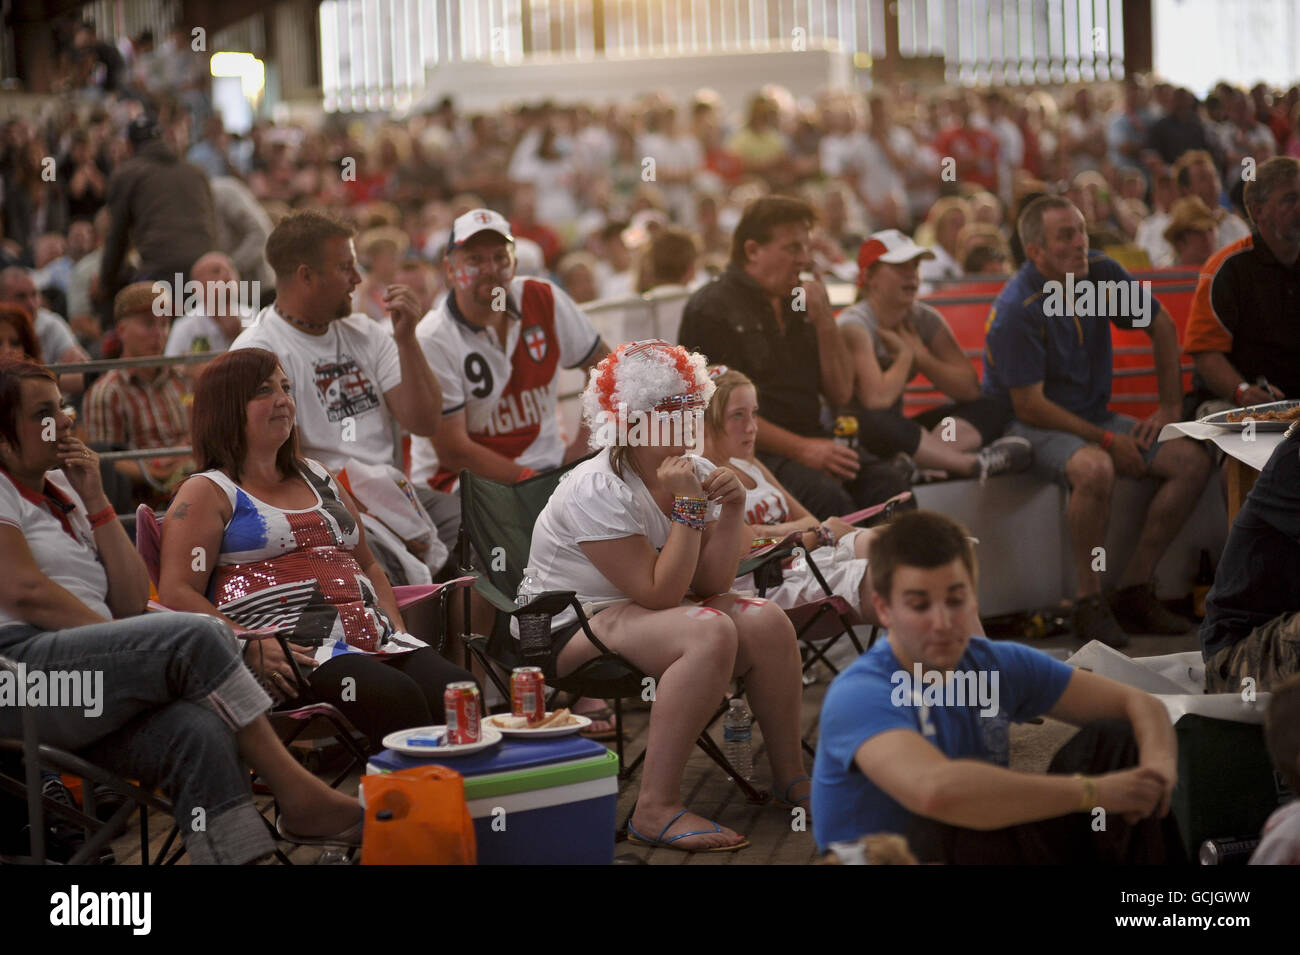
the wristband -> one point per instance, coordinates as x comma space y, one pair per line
1088, 801
525, 474
100, 518
1240, 390
825, 537
1107, 440
689, 511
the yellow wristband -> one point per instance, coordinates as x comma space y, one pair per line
1088, 801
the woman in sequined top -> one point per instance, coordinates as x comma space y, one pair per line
265, 539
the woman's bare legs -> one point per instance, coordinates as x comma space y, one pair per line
308, 805
767, 656
956, 456
690, 652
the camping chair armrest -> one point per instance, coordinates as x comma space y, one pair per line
488, 591
269, 633
413, 595
749, 565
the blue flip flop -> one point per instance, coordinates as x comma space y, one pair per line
785, 802
660, 842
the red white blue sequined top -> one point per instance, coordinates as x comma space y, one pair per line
294, 570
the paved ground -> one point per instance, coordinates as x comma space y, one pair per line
706, 790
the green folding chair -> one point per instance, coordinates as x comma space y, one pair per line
496, 531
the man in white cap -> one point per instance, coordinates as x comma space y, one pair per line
892, 338
497, 342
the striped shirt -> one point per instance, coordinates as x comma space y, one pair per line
124, 409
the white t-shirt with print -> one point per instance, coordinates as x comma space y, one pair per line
592, 503
339, 380
198, 332
71, 561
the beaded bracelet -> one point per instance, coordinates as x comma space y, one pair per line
689, 511
825, 536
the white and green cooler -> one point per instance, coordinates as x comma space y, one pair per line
534, 802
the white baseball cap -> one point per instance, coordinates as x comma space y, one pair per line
889, 246
476, 221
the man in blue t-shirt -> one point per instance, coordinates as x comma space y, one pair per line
1047, 353
915, 735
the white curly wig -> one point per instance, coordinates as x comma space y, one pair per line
638, 376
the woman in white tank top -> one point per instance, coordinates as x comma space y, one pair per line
838, 549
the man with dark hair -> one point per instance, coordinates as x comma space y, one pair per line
762, 319
915, 735
671, 259
160, 204
351, 379
1242, 326
1048, 354
135, 409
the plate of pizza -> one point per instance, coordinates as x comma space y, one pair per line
1274, 416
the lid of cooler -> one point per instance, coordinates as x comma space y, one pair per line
509, 756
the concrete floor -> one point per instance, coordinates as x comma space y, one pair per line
707, 791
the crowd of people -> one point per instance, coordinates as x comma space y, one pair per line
424, 279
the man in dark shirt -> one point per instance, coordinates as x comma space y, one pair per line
1182, 129
1243, 321
761, 319
1048, 354
1252, 614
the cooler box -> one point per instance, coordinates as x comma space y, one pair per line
559, 799
1227, 787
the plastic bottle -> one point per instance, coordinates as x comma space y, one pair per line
737, 735
534, 628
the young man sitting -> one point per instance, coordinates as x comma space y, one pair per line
915, 735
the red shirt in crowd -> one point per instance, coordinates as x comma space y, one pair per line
976, 152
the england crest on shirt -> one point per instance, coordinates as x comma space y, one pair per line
536, 342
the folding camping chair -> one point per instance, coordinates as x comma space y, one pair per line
496, 528
294, 723
35, 757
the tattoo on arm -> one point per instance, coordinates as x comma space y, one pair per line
181, 510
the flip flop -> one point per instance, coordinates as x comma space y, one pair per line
349, 837
785, 802
660, 842
597, 716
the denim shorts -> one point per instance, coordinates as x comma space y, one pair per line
1052, 448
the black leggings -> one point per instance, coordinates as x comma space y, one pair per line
885, 432
388, 693
1100, 747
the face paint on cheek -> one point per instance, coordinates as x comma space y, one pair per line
465, 276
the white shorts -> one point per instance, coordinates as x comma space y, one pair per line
840, 566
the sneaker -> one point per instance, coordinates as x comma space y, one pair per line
1138, 611
1094, 621
1004, 456
63, 838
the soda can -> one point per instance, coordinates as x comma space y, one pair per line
461, 703
1227, 851
527, 693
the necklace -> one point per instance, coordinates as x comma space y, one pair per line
298, 323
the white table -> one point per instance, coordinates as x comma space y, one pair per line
1246, 457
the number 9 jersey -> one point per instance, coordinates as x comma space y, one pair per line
507, 393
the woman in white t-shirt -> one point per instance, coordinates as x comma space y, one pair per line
638, 529
839, 549
163, 697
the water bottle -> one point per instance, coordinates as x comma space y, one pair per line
737, 735
534, 628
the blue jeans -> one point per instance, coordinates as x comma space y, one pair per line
174, 691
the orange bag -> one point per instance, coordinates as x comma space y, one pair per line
417, 816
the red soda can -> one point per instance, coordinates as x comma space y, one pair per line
460, 700
527, 696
